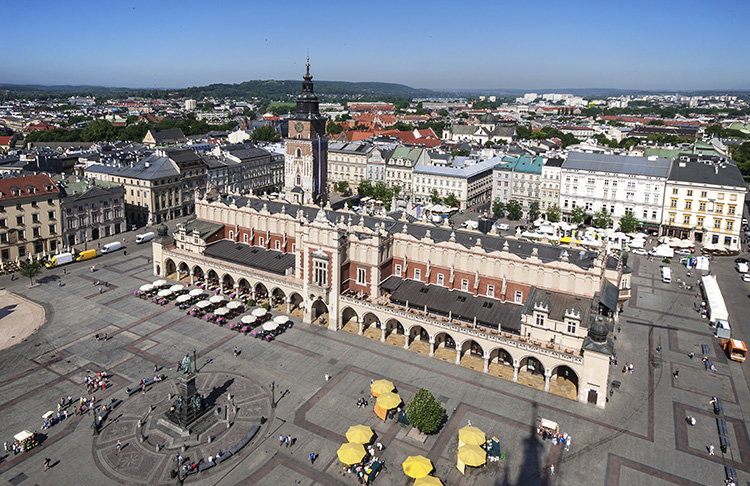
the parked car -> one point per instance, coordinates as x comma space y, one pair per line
638, 251
683, 252
741, 260
745, 277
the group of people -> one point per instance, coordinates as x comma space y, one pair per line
18, 446
94, 384
287, 440
628, 368
362, 403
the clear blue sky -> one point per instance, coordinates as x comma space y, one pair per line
490, 44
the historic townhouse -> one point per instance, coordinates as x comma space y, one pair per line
347, 162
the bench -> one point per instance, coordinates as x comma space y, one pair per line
114, 404
243, 442
724, 443
718, 407
224, 456
730, 472
721, 424
206, 465
705, 349
708, 364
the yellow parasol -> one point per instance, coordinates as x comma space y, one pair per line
389, 400
351, 453
428, 481
379, 387
359, 434
472, 455
471, 435
417, 466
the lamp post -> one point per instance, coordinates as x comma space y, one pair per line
273, 398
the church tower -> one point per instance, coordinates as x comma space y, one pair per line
306, 157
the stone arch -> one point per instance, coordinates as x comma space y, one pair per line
278, 298
170, 269
532, 365
392, 325
418, 333
370, 320
212, 278
471, 354
198, 275
444, 340
319, 310
227, 283
296, 305
261, 292
244, 287
349, 319
501, 356
183, 271
564, 381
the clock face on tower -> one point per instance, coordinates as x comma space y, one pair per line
299, 126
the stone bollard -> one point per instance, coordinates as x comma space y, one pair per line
183, 448
158, 448
141, 439
169, 396
210, 439
229, 424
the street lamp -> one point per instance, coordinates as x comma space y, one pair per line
273, 398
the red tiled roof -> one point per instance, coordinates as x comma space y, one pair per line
22, 184
36, 127
5, 140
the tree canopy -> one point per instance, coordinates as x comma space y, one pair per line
601, 219
628, 223
265, 133
425, 412
534, 211
578, 214
514, 209
498, 208
553, 213
30, 269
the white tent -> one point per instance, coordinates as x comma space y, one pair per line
160, 283
282, 319
221, 311
177, 288
715, 300
702, 264
637, 243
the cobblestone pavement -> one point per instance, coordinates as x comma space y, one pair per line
641, 438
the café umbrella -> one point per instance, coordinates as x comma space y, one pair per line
472, 455
378, 387
203, 304
160, 283
259, 312
197, 292
234, 305
164, 293
417, 466
351, 453
389, 400
270, 326
177, 288
281, 319
146, 288
359, 434
471, 435
221, 311
183, 298
248, 319
428, 481
216, 299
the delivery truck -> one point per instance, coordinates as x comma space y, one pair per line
60, 259
86, 255
143, 238
110, 247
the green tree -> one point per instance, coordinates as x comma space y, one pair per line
655, 122
334, 128
534, 211
601, 218
628, 223
30, 269
382, 192
460, 153
425, 412
553, 213
498, 207
578, 215
451, 200
365, 188
343, 186
435, 196
265, 133
514, 209
443, 112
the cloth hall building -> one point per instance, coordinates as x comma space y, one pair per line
527, 312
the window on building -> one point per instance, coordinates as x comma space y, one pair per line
673, 203
540, 320
671, 217
36, 232
362, 276
686, 220
397, 270
571, 327
731, 209
320, 272
440, 279
702, 206
690, 192
52, 229
730, 224
653, 214
700, 222
674, 191
417, 274
277, 245
19, 220
688, 204
231, 235
704, 194
3, 222
518, 299
717, 223
4, 238
464, 285
720, 196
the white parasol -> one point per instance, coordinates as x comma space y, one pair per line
281, 319
216, 299
234, 305
248, 319
259, 312
270, 326
146, 288
197, 292
164, 293
203, 304
177, 288
183, 298
221, 311
160, 283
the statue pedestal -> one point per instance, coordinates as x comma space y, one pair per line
189, 405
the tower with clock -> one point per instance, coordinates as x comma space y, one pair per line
306, 154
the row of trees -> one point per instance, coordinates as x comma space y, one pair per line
526, 133
379, 191
449, 200
600, 219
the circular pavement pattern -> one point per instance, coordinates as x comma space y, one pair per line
139, 463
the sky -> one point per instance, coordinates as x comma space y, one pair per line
491, 44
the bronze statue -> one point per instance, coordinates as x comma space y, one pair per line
186, 368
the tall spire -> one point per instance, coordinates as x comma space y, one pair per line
307, 102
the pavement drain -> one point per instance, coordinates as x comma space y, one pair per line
18, 479
333, 361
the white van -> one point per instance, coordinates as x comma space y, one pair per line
503, 226
144, 237
110, 247
666, 274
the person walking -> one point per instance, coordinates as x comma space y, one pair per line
552, 470
281, 440
313, 456
236, 352
710, 449
676, 374
46, 463
119, 446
